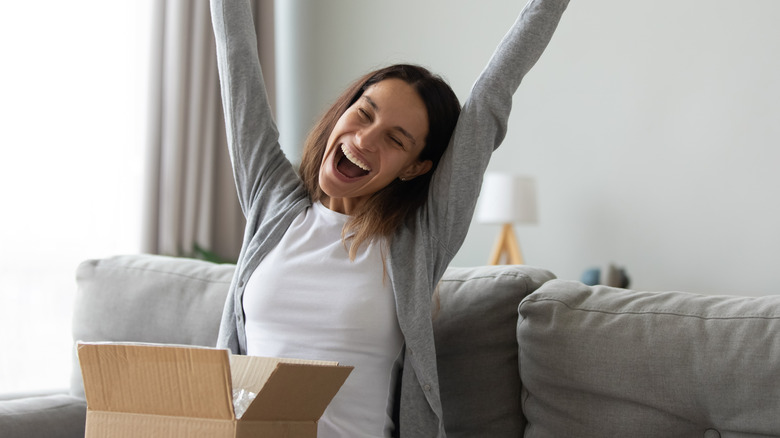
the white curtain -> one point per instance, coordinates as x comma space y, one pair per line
191, 208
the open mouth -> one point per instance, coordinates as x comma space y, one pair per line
350, 166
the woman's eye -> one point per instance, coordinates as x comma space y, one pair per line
396, 141
363, 114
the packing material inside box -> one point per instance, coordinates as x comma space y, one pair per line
142, 390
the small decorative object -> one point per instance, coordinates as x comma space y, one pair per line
507, 199
610, 275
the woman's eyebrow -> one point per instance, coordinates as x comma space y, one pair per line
400, 129
371, 102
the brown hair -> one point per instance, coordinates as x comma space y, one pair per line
385, 210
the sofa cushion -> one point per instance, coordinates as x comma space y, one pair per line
147, 298
476, 347
600, 361
51, 416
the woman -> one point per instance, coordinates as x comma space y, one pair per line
341, 262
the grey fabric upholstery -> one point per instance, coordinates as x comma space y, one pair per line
600, 361
146, 298
580, 361
477, 349
52, 416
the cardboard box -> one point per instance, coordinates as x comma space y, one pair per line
143, 390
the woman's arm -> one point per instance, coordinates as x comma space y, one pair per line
252, 135
483, 121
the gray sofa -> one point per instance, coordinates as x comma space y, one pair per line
520, 352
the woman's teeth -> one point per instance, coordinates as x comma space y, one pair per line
354, 159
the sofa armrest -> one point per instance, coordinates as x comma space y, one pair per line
600, 361
50, 416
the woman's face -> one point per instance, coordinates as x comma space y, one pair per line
378, 139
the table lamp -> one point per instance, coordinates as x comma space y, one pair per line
507, 199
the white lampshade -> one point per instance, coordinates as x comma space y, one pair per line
507, 198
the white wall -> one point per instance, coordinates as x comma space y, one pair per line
653, 128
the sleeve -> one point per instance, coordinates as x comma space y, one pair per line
483, 122
252, 136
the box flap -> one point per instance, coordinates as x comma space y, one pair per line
297, 392
157, 379
251, 372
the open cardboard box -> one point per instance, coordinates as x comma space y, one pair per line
148, 390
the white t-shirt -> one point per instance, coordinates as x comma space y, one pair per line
307, 300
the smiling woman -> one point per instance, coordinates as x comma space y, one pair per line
373, 218
70, 169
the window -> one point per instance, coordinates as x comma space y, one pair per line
71, 168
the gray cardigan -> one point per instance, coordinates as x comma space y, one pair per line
272, 195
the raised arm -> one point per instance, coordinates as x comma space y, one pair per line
252, 135
483, 123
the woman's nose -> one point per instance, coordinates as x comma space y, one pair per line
367, 138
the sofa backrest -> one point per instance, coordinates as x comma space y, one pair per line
476, 347
599, 361
148, 298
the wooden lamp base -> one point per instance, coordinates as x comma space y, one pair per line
507, 246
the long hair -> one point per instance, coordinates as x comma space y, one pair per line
384, 211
